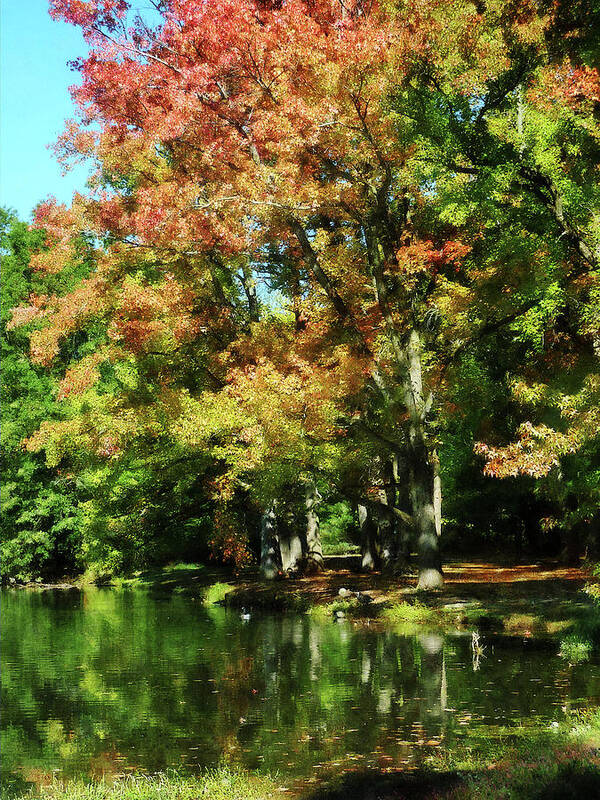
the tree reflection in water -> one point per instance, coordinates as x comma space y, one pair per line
100, 682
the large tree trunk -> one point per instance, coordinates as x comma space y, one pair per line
268, 543
421, 489
407, 352
421, 474
314, 548
368, 539
572, 545
290, 545
592, 538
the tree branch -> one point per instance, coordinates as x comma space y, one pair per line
313, 262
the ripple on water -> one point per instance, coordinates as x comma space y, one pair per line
104, 682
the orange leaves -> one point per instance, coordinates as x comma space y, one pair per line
22, 315
62, 227
246, 100
289, 388
89, 12
55, 259
83, 375
145, 315
535, 453
370, 323
578, 86
64, 316
422, 256
75, 144
584, 84
296, 399
452, 252
230, 540
415, 257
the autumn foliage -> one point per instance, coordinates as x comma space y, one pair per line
307, 222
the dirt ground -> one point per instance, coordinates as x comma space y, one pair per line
464, 578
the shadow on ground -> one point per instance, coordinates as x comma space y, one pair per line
391, 786
572, 781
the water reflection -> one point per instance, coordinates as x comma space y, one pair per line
102, 682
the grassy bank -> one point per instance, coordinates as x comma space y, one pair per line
535, 600
219, 784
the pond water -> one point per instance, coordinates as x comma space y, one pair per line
103, 682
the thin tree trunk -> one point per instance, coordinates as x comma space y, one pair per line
437, 492
368, 544
403, 531
386, 522
314, 548
249, 285
520, 119
268, 543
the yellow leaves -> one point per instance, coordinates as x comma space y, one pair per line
539, 448
127, 373
63, 315
455, 304
275, 406
62, 226
530, 394
57, 439
154, 316
212, 416
99, 424
44, 346
55, 259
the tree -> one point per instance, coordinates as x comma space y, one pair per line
291, 115
398, 175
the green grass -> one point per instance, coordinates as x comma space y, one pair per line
218, 784
178, 574
413, 613
553, 775
190, 580
216, 592
574, 649
349, 608
558, 762
561, 762
340, 549
521, 623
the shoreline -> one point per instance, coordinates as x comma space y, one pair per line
541, 599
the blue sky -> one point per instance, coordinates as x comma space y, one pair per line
34, 104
